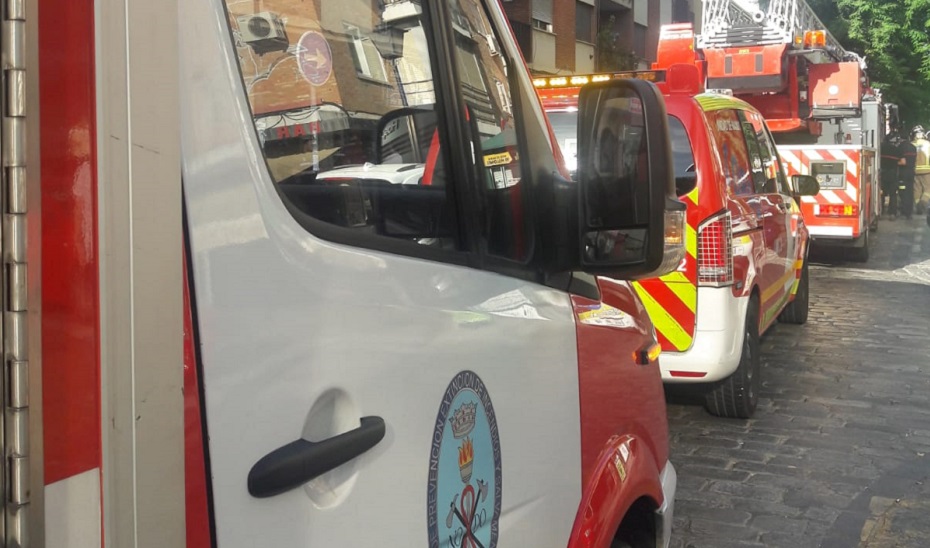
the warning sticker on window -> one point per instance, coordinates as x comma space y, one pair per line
500, 159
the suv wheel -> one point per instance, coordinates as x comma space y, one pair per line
796, 311
737, 396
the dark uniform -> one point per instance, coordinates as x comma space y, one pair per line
889, 172
906, 173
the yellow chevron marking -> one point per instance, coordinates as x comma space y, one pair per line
693, 195
685, 290
664, 322
691, 242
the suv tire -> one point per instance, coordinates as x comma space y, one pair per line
737, 396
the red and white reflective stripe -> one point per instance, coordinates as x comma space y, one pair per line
72, 511
799, 161
70, 310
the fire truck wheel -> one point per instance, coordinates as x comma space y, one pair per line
796, 311
736, 396
861, 254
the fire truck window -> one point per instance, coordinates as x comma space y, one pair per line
682, 157
342, 97
485, 84
727, 131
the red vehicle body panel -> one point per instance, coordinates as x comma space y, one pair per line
70, 294
624, 428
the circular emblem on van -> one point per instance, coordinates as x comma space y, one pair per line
464, 489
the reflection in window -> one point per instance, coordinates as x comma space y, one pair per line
489, 113
365, 56
342, 97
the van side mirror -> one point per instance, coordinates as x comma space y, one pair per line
632, 224
804, 185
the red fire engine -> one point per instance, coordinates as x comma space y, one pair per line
815, 97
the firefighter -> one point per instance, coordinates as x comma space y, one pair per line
922, 165
889, 174
906, 177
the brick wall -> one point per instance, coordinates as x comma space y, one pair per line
518, 10
563, 24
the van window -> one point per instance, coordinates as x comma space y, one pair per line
727, 131
682, 157
484, 77
342, 99
771, 165
759, 179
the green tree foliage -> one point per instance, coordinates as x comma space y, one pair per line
894, 36
611, 55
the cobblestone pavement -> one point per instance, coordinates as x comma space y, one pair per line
838, 453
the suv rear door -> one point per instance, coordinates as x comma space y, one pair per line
326, 307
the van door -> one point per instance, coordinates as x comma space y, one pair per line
364, 381
775, 209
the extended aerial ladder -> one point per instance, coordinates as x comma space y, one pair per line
735, 23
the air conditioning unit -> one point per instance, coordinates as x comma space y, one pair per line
491, 44
263, 32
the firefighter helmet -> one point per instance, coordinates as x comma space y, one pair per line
918, 132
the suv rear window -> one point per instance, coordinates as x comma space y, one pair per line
682, 157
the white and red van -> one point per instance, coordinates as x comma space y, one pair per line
389, 337
746, 261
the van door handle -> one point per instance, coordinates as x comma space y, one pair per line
300, 461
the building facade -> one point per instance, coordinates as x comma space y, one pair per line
583, 36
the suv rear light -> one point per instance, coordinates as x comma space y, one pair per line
715, 251
836, 210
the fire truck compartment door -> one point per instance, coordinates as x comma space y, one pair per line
836, 89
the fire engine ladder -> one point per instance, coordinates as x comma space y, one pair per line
14, 387
736, 23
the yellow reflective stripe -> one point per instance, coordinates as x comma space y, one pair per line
691, 242
663, 321
712, 102
693, 195
777, 286
685, 291
679, 285
798, 265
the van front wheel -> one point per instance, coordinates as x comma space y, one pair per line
737, 396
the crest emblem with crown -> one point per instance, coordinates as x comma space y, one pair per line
463, 420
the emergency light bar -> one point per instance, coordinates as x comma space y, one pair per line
815, 39
582, 79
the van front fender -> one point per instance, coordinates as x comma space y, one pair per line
626, 471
